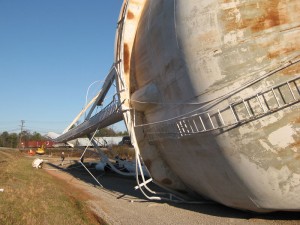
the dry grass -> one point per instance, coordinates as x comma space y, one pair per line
123, 151
34, 197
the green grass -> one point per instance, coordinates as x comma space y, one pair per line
32, 196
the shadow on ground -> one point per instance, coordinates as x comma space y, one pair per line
122, 187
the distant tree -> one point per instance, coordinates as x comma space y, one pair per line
124, 133
8, 140
4, 138
37, 137
13, 140
25, 135
109, 132
106, 132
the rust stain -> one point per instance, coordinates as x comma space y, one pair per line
283, 45
126, 58
271, 17
279, 52
229, 18
292, 70
256, 15
295, 144
209, 38
130, 15
297, 120
166, 181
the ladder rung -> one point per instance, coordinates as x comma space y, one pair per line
190, 126
182, 127
233, 113
179, 128
221, 118
210, 121
291, 90
260, 103
204, 128
248, 110
186, 127
275, 97
296, 86
195, 125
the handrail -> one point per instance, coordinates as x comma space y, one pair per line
262, 103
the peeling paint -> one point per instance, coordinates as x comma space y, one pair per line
233, 37
283, 179
266, 146
283, 137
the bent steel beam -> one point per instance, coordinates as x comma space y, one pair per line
109, 115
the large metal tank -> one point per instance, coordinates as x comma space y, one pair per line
211, 91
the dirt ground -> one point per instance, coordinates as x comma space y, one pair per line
119, 203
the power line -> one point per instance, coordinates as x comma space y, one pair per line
22, 127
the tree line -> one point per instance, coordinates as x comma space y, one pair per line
109, 132
12, 140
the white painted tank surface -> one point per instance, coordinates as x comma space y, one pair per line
211, 89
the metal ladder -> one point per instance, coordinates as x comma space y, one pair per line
242, 111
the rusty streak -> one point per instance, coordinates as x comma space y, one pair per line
126, 58
292, 70
130, 15
264, 15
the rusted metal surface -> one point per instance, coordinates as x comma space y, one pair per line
201, 55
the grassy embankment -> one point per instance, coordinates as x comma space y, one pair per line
33, 196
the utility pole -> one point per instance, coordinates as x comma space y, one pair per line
21, 133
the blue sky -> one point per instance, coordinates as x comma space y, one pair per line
50, 52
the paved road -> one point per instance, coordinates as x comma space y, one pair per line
119, 203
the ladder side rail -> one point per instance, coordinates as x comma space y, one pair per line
291, 91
